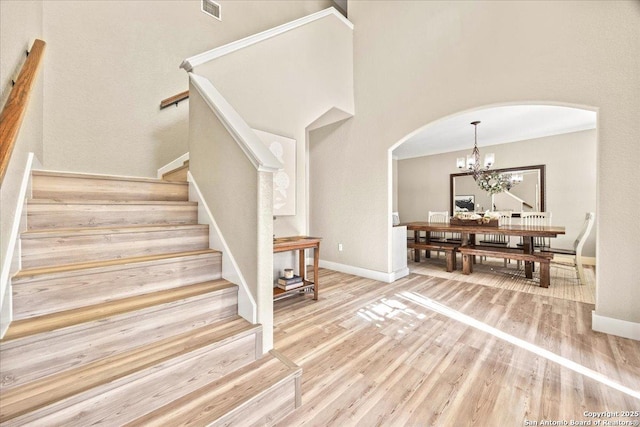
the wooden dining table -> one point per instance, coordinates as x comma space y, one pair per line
468, 233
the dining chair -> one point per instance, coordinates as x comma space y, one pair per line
395, 220
499, 240
537, 219
578, 244
438, 217
457, 237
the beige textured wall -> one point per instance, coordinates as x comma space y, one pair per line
20, 25
570, 159
224, 173
283, 84
440, 58
110, 63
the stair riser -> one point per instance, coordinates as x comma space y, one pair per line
177, 175
59, 250
265, 409
37, 356
42, 295
119, 316
47, 216
259, 394
130, 397
52, 186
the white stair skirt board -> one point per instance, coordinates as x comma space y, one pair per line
12, 257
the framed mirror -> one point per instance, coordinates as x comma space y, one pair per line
526, 196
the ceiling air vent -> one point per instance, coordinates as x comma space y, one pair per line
212, 8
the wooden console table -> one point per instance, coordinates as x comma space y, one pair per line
299, 243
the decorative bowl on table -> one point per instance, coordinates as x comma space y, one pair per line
474, 220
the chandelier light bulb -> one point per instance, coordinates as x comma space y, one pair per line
489, 160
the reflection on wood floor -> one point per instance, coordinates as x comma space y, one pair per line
492, 272
372, 354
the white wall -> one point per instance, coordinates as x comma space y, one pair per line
110, 63
570, 159
416, 62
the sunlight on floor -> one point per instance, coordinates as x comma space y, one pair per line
455, 315
388, 309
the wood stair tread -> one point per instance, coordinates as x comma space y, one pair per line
110, 202
82, 267
33, 357
36, 394
62, 319
134, 324
50, 173
230, 394
88, 231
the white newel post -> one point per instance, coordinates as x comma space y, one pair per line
265, 257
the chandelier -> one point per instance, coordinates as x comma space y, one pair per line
490, 181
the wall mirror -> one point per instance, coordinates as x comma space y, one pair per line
527, 196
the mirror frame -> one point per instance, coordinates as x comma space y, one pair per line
539, 168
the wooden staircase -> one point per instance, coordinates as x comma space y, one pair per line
121, 316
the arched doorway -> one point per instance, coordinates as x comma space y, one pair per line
561, 137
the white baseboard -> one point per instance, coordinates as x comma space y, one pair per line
363, 272
586, 260
609, 325
175, 164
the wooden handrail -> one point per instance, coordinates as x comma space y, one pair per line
175, 99
16, 106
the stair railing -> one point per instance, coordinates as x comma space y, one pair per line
233, 172
174, 100
232, 167
16, 106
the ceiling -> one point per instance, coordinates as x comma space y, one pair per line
500, 125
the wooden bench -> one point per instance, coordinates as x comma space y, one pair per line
507, 253
448, 248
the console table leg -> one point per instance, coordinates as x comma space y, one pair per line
301, 264
316, 278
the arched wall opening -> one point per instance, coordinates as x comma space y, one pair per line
559, 135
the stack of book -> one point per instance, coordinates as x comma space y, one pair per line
288, 284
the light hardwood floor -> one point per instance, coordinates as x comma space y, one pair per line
492, 272
374, 354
